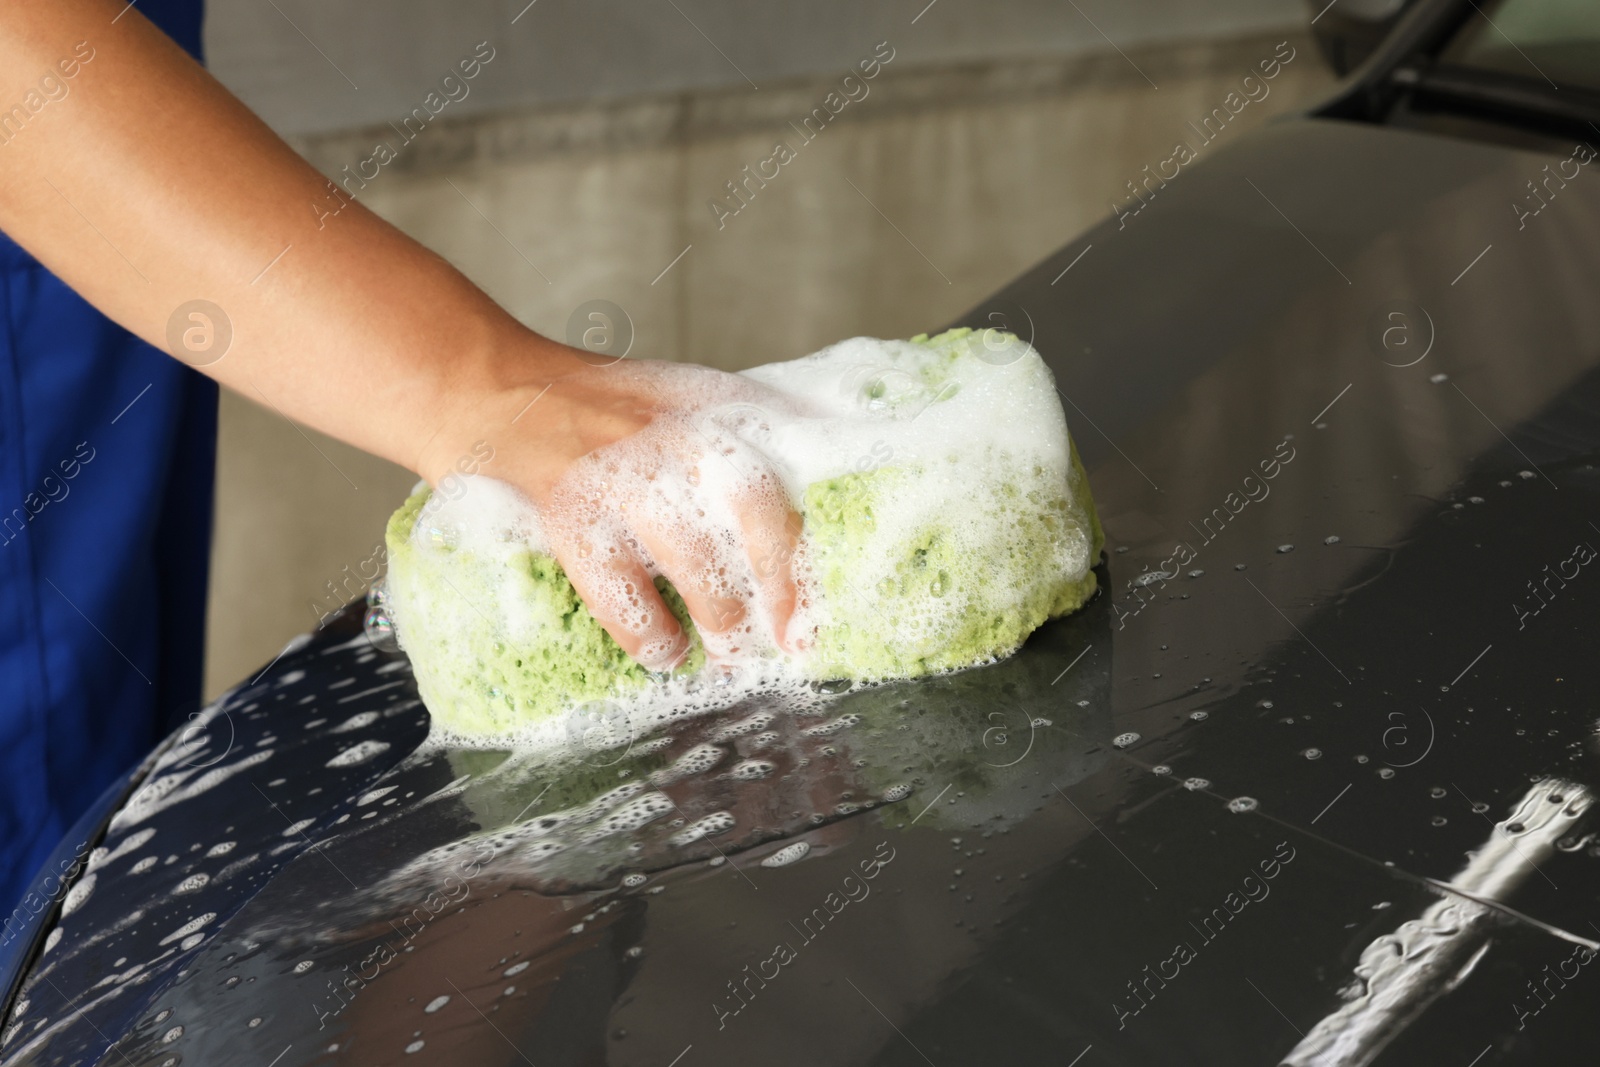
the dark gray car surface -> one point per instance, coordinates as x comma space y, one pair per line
1309, 781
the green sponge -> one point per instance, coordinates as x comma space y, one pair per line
896, 601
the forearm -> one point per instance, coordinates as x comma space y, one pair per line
148, 185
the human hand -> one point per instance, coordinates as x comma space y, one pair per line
641, 468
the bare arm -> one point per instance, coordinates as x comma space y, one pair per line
148, 185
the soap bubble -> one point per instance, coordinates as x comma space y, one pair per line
379, 628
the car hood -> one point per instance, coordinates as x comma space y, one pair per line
1300, 784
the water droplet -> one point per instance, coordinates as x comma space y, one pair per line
1124, 740
415, 1046
1264, 704
1240, 805
1438, 792
1238, 566
1385, 772
1439, 820
1196, 783
1161, 768
1312, 753
1331, 539
436, 1003
1526, 475
1285, 548
172, 1035
1199, 716
1439, 379
1197, 572
379, 628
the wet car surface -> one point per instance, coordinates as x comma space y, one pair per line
1310, 781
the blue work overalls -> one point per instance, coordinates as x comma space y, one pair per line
107, 449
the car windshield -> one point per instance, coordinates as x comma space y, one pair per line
1549, 41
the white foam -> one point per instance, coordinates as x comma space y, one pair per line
787, 854
78, 894
359, 752
718, 822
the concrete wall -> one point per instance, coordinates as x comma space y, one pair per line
310, 66
943, 183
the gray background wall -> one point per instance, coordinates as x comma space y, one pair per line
581, 163
378, 59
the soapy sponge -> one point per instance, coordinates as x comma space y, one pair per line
945, 517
